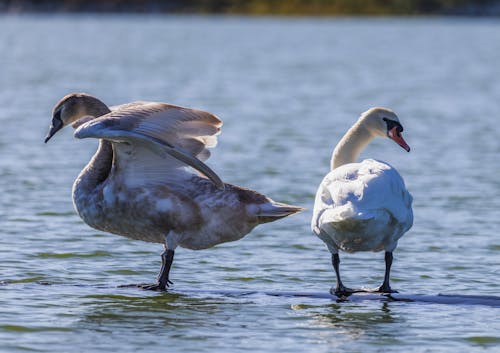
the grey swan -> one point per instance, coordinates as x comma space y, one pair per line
139, 185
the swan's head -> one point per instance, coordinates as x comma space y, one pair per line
75, 109
385, 123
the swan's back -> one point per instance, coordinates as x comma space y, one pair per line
360, 198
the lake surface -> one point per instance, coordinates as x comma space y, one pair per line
287, 90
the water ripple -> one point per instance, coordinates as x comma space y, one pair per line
286, 89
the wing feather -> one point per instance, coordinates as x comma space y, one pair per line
173, 136
191, 129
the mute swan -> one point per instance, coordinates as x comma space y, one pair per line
137, 184
363, 206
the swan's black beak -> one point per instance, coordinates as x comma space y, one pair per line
55, 126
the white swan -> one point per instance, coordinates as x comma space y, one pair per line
363, 206
138, 185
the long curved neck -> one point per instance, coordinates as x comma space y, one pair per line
351, 145
94, 173
99, 166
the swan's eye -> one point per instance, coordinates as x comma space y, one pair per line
391, 124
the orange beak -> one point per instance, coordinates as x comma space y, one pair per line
395, 135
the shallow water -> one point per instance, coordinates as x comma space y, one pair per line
286, 89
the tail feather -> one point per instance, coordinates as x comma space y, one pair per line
273, 211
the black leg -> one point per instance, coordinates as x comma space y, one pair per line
167, 258
385, 287
340, 289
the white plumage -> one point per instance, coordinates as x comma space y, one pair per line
363, 206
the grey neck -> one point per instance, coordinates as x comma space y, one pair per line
99, 167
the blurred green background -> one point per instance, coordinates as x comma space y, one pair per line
263, 7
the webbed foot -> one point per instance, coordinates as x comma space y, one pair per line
159, 287
342, 291
384, 288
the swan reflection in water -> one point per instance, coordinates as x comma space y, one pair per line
345, 324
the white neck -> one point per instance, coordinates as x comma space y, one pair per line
351, 145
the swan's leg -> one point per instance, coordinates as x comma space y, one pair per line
167, 258
385, 287
340, 290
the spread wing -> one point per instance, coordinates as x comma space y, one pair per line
191, 129
157, 138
